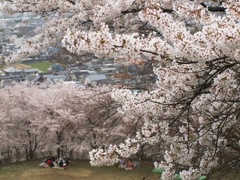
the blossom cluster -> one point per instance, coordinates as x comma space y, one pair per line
99, 157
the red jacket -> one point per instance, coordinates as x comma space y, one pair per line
48, 162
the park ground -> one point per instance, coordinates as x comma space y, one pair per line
41, 65
82, 170
78, 170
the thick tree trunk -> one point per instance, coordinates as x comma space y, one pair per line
27, 154
70, 154
18, 154
58, 153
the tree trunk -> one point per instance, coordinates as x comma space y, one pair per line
58, 153
27, 154
71, 154
18, 154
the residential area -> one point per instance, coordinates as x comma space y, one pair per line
109, 72
118, 72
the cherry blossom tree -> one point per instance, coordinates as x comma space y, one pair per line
63, 56
18, 110
193, 113
89, 120
195, 107
61, 120
137, 75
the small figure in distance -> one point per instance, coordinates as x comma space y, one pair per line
48, 162
67, 162
53, 158
53, 161
122, 163
129, 165
44, 162
61, 163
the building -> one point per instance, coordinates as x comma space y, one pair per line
95, 79
108, 70
79, 76
13, 72
31, 71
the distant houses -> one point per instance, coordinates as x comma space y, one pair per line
88, 71
55, 68
13, 72
108, 70
31, 71
95, 79
79, 76
90, 74
55, 78
33, 76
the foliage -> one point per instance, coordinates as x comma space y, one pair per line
158, 170
202, 177
177, 176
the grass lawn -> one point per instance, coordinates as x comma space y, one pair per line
79, 170
41, 65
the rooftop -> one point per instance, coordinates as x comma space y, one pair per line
97, 77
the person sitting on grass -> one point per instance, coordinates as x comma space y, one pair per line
48, 162
67, 162
53, 158
44, 162
122, 163
64, 165
53, 163
60, 163
129, 165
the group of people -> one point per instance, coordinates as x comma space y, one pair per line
126, 163
52, 162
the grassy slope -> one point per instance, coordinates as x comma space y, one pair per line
78, 170
81, 170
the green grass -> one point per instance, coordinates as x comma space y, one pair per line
82, 170
79, 170
41, 65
